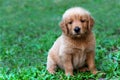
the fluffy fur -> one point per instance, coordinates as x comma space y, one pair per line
74, 50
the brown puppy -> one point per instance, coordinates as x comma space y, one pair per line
75, 48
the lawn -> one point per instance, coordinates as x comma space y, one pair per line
28, 28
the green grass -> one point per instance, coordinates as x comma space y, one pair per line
28, 29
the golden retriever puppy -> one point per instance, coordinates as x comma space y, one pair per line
75, 48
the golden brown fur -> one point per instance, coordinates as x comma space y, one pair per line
73, 50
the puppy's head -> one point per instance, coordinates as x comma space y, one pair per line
76, 22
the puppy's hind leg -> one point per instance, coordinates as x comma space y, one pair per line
51, 65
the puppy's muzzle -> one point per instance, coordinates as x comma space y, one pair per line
77, 29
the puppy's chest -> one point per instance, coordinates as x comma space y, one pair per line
79, 48
78, 55
78, 58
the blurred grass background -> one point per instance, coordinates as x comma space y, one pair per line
28, 29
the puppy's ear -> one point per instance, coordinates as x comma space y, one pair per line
64, 27
90, 23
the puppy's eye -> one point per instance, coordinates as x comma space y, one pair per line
82, 21
70, 22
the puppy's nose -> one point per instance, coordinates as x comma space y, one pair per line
76, 29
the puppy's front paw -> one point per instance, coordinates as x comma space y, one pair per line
84, 69
69, 74
51, 71
94, 71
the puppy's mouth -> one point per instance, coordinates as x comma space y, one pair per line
76, 34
